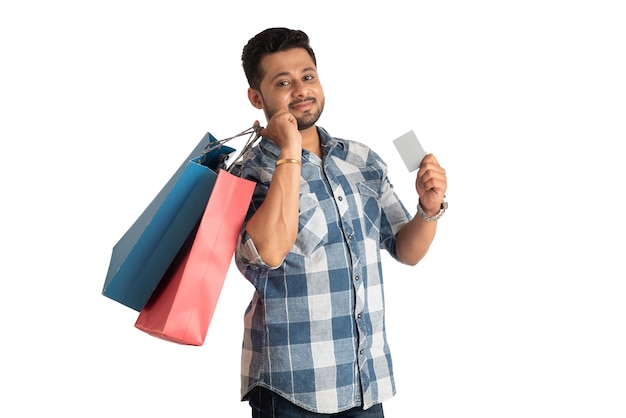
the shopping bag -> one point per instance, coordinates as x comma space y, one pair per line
144, 253
181, 308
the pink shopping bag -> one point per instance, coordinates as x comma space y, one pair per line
181, 308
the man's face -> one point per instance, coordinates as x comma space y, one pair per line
290, 82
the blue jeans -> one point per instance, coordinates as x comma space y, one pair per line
267, 404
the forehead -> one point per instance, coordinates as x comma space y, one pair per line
292, 61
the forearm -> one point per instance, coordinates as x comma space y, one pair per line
414, 239
274, 226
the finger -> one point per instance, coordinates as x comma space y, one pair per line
433, 179
429, 158
282, 114
289, 117
430, 168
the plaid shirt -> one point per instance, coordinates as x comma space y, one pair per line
315, 330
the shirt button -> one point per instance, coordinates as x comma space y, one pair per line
359, 316
340, 198
356, 278
360, 351
349, 237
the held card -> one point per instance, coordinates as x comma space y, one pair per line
410, 150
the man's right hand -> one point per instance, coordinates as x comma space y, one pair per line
274, 226
282, 129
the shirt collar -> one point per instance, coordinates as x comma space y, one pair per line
326, 141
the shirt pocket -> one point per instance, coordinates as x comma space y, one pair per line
313, 226
369, 193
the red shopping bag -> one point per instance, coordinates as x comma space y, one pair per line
182, 306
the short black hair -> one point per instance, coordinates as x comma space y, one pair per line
270, 41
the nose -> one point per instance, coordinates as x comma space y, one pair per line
299, 89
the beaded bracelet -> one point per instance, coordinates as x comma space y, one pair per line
442, 210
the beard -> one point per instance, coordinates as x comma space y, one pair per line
307, 119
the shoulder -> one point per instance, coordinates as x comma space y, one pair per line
255, 164
354, 152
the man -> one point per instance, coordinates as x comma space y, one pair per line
314, 340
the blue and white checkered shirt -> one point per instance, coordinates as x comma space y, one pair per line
315, 330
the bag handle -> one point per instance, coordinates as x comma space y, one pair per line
254, 134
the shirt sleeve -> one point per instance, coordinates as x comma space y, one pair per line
393, 214
246, 254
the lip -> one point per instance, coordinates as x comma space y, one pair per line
303, 105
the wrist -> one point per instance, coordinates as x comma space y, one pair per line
292, 154
432, 217
288, 161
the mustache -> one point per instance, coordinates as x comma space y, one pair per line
306, 99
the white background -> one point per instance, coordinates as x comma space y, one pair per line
517, 311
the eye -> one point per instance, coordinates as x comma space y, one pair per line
308, 77
283, 83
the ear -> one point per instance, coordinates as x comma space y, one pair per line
255, 98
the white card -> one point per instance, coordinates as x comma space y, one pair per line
410, 150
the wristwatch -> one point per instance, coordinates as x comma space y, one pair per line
442, 210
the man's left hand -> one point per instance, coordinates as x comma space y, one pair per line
431, 185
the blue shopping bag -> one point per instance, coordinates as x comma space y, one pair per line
142, 256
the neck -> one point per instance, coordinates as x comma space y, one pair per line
311, 141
